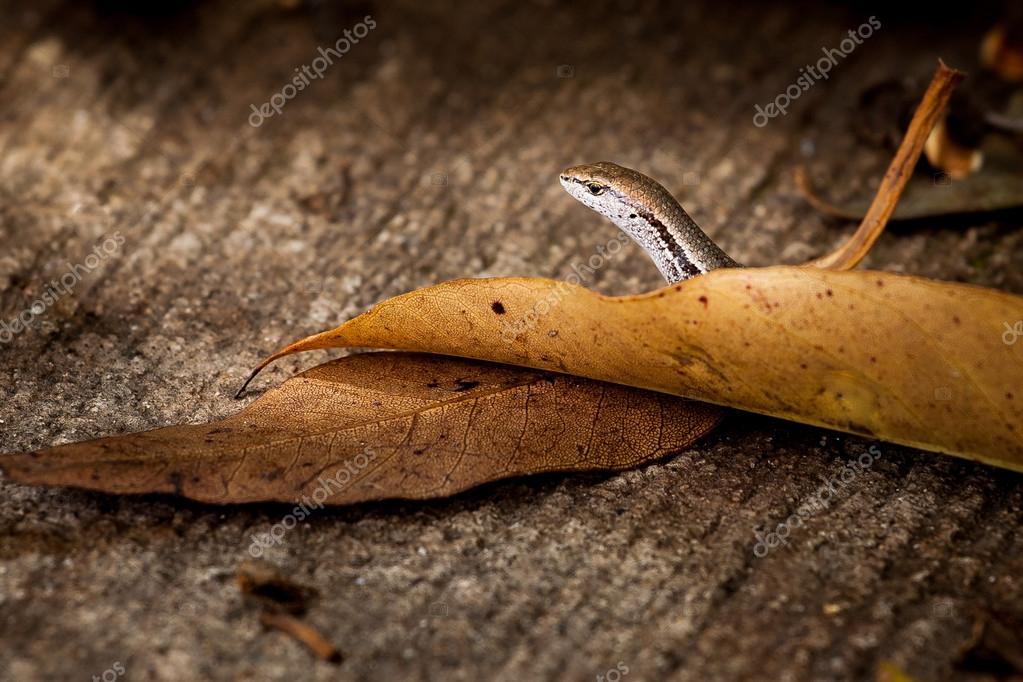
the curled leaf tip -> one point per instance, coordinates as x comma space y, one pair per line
252, 375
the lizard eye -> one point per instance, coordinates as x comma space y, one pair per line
595, 189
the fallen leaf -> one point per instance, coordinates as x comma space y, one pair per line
383, 425
958, 190
905, 359
997, 187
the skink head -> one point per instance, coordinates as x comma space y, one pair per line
612, 190
647, 212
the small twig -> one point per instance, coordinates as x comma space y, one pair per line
241, 391
303, 633
930, 109
805, 185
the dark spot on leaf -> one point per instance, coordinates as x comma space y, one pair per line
497, 307
433, 384
703, 300
463, 385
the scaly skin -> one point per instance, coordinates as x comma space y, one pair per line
647, 212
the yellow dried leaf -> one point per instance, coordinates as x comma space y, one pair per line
895, 357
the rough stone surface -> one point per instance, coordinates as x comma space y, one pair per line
430, 151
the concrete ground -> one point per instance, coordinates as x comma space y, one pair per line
430, 151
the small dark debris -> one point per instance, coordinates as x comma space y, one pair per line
497, 307
264, 584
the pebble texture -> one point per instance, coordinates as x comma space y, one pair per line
431, 151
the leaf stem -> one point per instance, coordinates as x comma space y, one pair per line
927, 114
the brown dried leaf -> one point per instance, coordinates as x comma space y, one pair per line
930, 364
383, 425
996, 187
